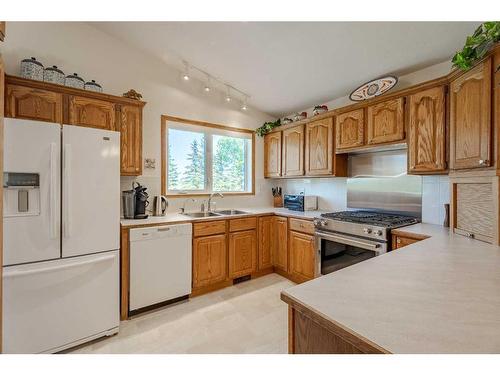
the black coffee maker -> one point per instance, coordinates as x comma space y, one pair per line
141, 201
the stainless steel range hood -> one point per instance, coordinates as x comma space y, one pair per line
378, 181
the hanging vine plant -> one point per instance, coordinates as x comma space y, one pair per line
477, 45
267, 127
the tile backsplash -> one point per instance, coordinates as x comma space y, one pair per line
331, 194
435, 193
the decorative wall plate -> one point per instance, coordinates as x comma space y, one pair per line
373, 88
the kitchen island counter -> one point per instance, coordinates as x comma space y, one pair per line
439, 295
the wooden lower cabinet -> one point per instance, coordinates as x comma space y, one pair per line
265, 254
399, 241
302, 256
242, 253
280, 243
209, 260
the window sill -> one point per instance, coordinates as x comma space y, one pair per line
189, 195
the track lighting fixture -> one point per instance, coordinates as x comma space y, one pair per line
186, 71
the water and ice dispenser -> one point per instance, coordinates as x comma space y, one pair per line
21, 194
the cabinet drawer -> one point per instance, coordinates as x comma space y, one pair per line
208, 228
242, 224
399, 242
300, 225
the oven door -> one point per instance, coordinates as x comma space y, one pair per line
336, 251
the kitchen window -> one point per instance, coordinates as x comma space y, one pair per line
200, 158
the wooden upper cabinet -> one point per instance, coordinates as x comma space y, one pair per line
319, 147
272, 155
470, 118
302, 256
293, 151
280, 243
265, 255
242, 253
427, 131
350, 129
209, 260
2, 30
385, 122
131, 139
33, 104
91, 112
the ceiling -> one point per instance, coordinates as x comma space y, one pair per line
288, 66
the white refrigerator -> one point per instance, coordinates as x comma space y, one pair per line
61, 235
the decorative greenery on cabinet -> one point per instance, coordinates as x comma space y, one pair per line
477, 45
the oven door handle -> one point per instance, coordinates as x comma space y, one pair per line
351, 241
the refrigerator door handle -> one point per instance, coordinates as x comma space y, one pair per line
53, 193
9, 274
67, 190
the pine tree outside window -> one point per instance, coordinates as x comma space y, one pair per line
201, 159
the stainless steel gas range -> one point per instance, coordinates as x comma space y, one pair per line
349, 237
386, 198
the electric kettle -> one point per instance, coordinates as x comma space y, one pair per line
160, 205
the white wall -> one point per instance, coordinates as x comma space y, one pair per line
81, 48
332, 191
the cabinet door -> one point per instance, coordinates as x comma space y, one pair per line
272, 155
209, 260
426, 131
265, 257
242, 253
319, 147
398, 241
93, 113
302, 259
470, 118
385, 122
33, 104
131, 140
350, 129
293, 151
280, 243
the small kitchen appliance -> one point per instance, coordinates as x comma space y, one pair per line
301, 202
160, 205
128, 204
141, 201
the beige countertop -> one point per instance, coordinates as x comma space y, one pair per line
439, 295
172, 218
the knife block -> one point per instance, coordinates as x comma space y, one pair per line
278, 201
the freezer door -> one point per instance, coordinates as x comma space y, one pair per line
91, 191
50, 306
31, 214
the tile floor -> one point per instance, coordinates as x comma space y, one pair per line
244, 318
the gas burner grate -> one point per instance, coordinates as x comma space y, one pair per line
369, 217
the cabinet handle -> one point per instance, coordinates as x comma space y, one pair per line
483, 162
398, 240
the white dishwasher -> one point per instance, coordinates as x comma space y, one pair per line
160, 264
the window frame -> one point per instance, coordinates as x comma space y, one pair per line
165, 119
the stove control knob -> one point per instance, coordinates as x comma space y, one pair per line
378, 232
367, 230
316, 222
323, 223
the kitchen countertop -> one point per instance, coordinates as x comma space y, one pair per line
438, 295
173, 218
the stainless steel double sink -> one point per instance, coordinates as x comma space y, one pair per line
215, 213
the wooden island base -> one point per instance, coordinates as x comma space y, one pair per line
310, 333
